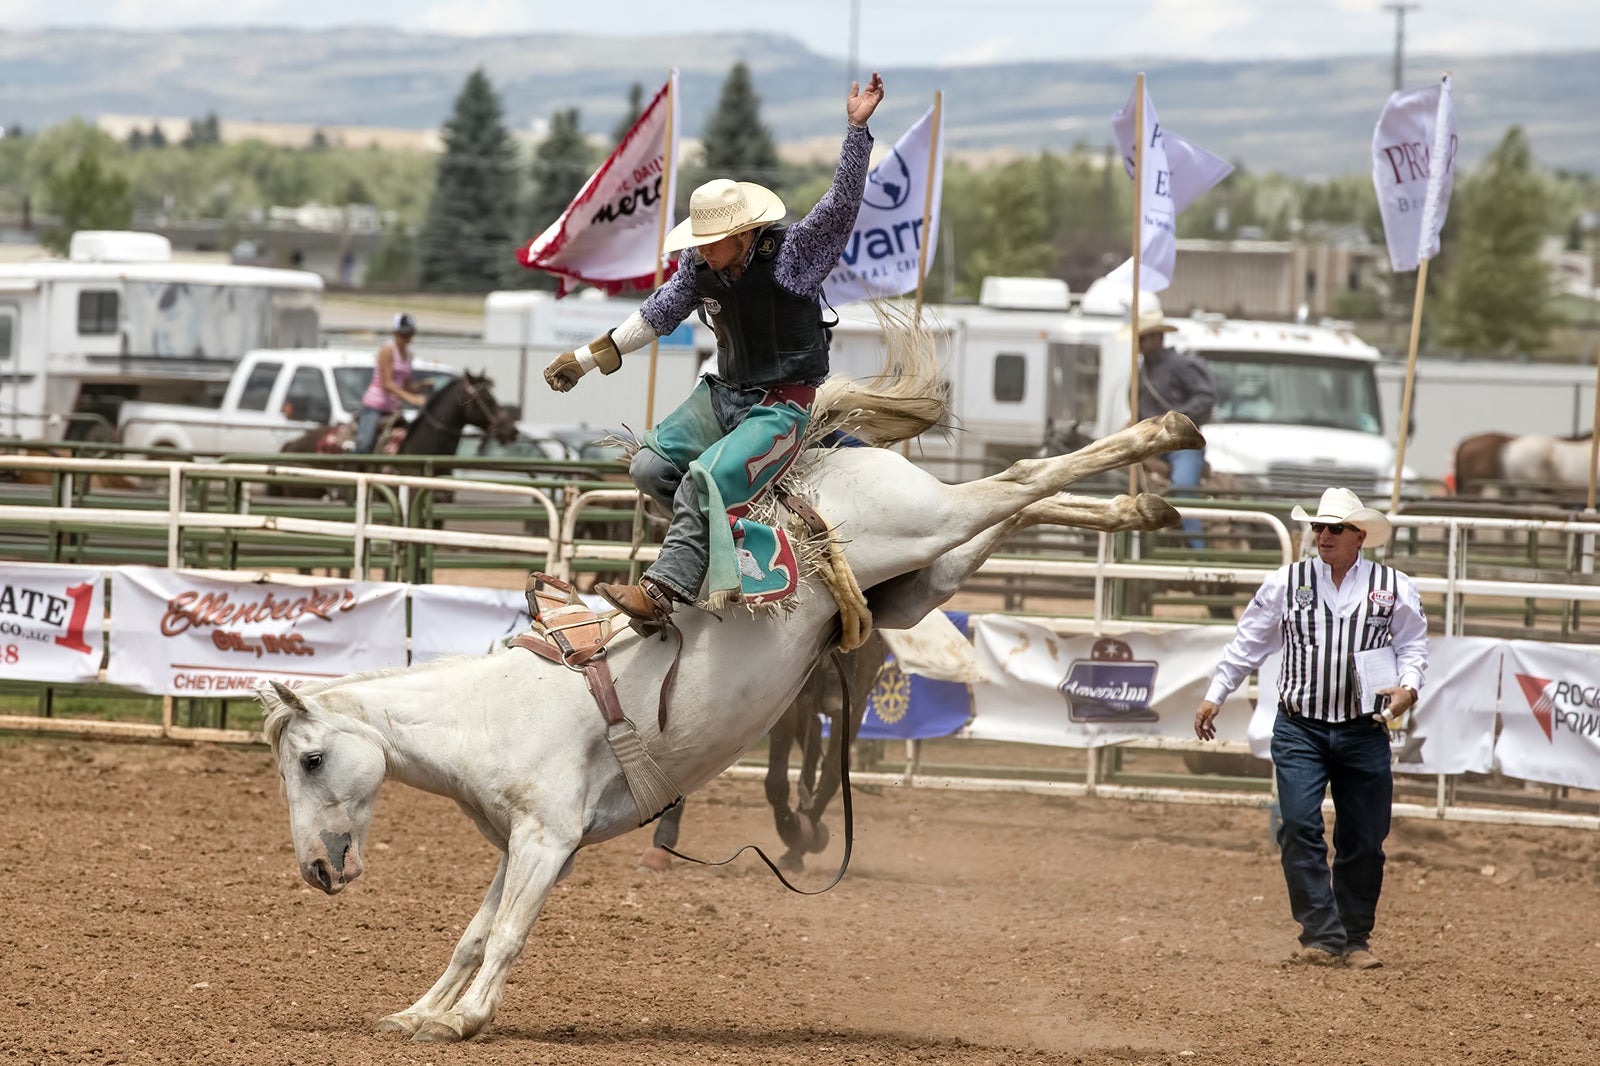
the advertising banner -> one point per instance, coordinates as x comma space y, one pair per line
1087, 691
1413, 170
183, 633
921, 690
1549, 714
457, 620
50, 623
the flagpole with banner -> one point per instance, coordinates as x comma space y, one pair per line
934, 148
1413, 150
1138, 281
669, 166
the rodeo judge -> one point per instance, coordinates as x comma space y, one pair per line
760, 283
1323, 612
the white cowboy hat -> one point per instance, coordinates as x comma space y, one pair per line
1151, 319
1342, 505
722, 208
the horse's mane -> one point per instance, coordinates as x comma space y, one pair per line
277, 712
905, 399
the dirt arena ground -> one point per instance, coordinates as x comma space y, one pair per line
150, 911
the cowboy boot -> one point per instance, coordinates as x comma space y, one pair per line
648, 601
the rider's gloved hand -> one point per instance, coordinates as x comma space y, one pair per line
568, 367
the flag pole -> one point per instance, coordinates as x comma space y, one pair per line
667, 174
1411, 377
1594, 429
1138, 232
927, 201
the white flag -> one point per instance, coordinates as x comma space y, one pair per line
881, 257
609, 235
1176, 173
1413, 169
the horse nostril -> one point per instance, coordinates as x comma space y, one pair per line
319, 871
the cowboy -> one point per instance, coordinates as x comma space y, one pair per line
760, 283
1323, 613
1172, 380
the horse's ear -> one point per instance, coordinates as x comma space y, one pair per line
290, 698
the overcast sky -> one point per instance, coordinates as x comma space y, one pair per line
925, 32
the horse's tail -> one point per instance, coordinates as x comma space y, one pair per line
905, 399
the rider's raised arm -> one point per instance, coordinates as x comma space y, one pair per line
812, 246
658, 316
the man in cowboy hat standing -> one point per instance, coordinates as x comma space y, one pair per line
1170, 380
1321, 612
760, 283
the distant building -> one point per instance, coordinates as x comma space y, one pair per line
1270, 279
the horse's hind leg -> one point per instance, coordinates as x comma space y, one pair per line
464, 962
537, 855
901, 602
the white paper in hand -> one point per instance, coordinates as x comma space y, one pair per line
1376, 668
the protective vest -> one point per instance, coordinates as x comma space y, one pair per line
765, 333
1318, 675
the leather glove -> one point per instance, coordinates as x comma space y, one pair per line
568, 367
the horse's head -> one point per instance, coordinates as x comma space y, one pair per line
481, 409
331, 769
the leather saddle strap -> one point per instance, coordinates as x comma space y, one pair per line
595, 673
807, 513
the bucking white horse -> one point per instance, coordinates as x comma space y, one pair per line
518, 742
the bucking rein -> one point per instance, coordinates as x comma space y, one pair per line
567, 632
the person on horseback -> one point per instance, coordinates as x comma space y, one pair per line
391, 376
761, 285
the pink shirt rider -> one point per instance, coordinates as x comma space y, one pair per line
375, 397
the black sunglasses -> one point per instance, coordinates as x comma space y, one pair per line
1335, 528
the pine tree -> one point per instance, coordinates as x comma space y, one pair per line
735, 143
1497, 299
85, 196
629, 117
466, 243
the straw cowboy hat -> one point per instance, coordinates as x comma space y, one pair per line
722, 208
1342, 505
1151, 320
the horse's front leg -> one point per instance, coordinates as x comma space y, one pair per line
464, 962
534, 862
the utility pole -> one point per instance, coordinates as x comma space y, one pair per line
855, 37
1400, 40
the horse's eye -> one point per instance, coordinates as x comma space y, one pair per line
311, 760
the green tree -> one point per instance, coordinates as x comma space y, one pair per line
203, 132
630, 116
466, 243
394, 263
1010, 238
85, 196
1497, 298
157, 138
735, 143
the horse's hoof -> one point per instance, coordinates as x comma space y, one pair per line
819, 837
1184, 433
655, 859
792, 862
1155, 512
399, 1023
435, 1031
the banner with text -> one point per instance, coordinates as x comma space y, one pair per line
1413, 169
182, 633
1084, 691
1452, 729
1550, 714
610, 235
882, 254
50, 623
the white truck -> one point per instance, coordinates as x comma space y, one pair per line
119, 320
272, 397
1297, 407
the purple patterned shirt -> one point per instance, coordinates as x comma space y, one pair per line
811, 247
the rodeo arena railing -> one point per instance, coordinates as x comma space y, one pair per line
144, 598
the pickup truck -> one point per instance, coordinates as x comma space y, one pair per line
273, 397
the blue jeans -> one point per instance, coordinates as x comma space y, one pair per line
367, 428
1186, 469
1353, 758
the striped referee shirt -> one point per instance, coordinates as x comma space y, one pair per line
1320, 628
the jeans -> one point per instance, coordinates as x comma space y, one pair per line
1186, 469
1353, 758
367, 428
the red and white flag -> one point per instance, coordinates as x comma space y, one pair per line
1413, 169
609, 236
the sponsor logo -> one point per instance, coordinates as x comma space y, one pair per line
1562, 706
1110, 686
1382, 598
889, 184
713, 307
46, 615
1303, 596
